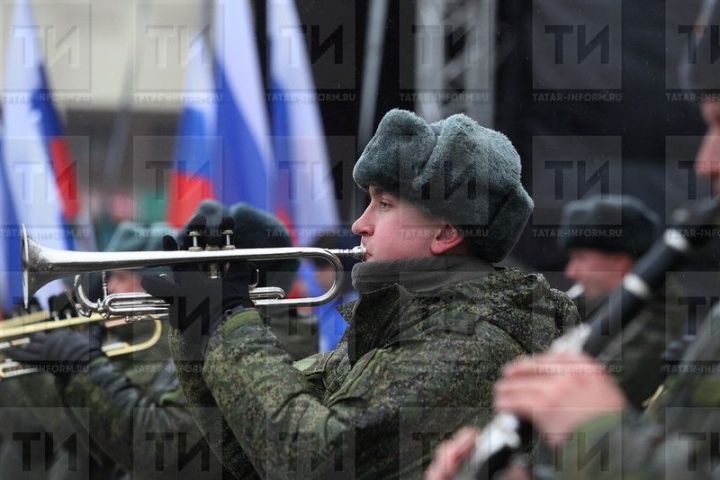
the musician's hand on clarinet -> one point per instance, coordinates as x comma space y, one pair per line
557, 392
451, 454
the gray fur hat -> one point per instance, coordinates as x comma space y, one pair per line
455, 169
614, 223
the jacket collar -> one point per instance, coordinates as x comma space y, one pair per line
387, 309
418, 274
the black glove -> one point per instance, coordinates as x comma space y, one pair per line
197, 302
18, 309
61, 306
61, 352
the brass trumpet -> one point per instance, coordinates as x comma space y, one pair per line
42, 265
26, 319
18, 335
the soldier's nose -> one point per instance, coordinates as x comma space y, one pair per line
362, 226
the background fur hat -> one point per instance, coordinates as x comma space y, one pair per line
614, 223
455, 169
132, 237
258, 229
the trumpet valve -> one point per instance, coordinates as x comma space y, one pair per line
227, 240
194, 236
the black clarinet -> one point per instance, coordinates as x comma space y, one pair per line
503, 437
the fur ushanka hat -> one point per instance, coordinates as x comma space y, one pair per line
132, 237
454, 169
615, 223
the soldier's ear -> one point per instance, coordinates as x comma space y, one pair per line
447, 238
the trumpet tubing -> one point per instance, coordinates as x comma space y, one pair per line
42, 265
20, 335
25, 319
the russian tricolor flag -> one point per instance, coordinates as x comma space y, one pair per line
191, 180
223, 150
305, 193
244, 156
41, 179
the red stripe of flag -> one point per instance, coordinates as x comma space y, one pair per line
186, 193
65, 177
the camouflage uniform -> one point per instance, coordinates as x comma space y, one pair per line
31, 405
136, 412
113, 403
634, 359
413, 365
675, 438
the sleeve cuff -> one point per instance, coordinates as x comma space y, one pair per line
239, 318
599, 426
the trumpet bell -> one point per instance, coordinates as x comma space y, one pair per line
29, 270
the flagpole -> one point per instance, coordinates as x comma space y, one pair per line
374, 47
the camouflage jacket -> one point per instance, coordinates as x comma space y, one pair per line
31, 412
412, 367
133, 410
676, 437
121, 416
35, 409
634, 358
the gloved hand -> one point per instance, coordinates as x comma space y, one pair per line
61, 352
197, 302
61, 306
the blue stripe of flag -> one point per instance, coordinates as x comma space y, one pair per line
280, 126
240, 174
11, 247
194, 140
